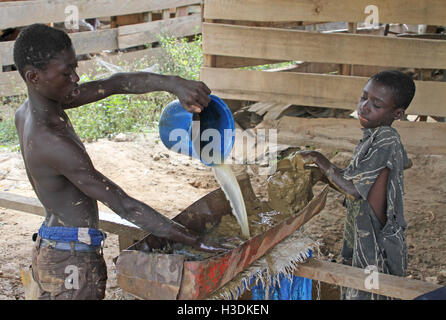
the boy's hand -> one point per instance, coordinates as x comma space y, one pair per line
193, 95
310, 156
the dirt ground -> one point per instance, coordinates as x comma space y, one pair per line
170, 182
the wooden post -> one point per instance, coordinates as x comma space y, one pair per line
182, 11
166, 14
347, 69
208, 60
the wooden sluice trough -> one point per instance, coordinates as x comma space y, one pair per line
147, 274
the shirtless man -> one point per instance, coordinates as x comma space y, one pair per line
63, 175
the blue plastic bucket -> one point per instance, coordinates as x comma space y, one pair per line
207, 136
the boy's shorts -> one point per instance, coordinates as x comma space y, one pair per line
68, 274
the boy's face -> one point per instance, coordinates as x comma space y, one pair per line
58, 81
377, 107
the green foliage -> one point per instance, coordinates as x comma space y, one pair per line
180, 57
8, 132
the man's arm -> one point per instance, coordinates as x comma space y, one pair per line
193, 95
72, 162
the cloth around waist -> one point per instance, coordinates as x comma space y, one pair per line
88, 236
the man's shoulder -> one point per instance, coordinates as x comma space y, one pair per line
20, 112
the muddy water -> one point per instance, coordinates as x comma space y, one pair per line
289, 190
229, 184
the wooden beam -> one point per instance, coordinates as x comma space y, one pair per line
94, 41
281, 44
347, 276
133, 35
396, 11
315, 90
344, 134
83, 42
236, 62
23, 13
108, 222
11, 84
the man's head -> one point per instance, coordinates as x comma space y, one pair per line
45, 59
385, 98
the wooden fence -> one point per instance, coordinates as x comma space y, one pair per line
252, 32
179, 18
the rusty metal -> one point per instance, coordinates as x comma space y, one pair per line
150, 276
200, 278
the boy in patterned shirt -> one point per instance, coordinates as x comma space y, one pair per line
373, 182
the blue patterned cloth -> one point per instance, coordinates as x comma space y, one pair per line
89, 236
287, 288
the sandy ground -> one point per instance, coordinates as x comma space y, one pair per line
170, 182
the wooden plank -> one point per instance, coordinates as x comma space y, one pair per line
236, 62
12, 84
315, 90
23, 13
396, 11
108, 222
94, 41
6, 53
347, 276
344, 134
275, 111
83, 42
148, 32
281, 44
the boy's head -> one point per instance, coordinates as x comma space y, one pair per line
385, 98
45, 59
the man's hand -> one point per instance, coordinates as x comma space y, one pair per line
193, 95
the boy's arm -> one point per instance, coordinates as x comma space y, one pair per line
377, 196
331, 172
193, 95
73, 163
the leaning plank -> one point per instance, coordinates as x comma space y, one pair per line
431, 12
22, 13
107, 221
275, 111
280, 44
133, 35
316, 90
347, 276
344, 134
